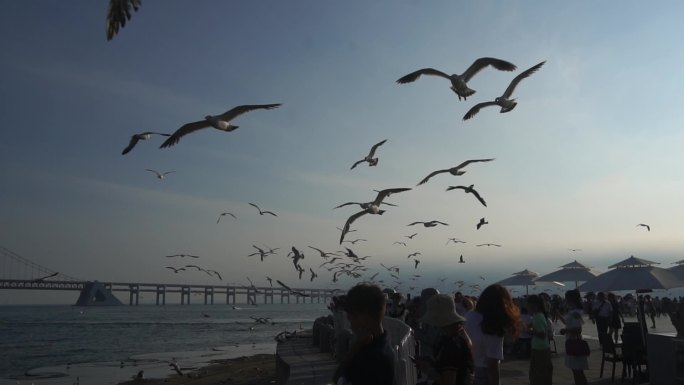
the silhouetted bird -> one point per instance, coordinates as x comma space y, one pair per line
459, 82
219, 122
137, 137
118, 13
429, 224
369, 158
504, 101
263, 212
470, 190
160, 175
644, 225
455, 171
482, 223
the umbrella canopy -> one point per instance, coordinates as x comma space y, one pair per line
633, 274
678, 270
571, 272
522, 278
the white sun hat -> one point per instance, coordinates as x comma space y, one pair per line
441, 311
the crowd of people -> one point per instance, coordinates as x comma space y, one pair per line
463, 339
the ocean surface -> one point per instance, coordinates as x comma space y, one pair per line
56, 344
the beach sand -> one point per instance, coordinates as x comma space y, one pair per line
253, 370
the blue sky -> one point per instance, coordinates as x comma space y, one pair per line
592, 149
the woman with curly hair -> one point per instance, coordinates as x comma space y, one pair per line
495, 315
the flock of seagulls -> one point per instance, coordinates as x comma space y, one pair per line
342, 262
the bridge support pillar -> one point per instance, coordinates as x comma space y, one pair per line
185, 294
134, 293
284, 294
268, 293
230, 292
161, 293
208, 295
251, 296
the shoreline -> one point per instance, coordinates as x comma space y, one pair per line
258, 369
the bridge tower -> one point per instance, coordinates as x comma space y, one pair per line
208, 295
185, 295
230, 293
161, 293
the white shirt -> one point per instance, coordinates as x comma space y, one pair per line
484, 345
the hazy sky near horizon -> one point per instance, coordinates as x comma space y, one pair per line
592, 149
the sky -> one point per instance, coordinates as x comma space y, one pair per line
592, 149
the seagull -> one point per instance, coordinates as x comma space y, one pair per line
482, 278
373, 209
251, 284
177, 368
461, 260
160, 175
323, 253
504, 101
482, 223
429, 224
416, 263
313, 275
270, 280
137, 137
296, 256
41, 279
118, 13
349, 231
455, 171
459, 82
644, 225
410, 236
219, 122
372, 277
362, 205
260, 252
182, 256
470, 190
216, 273
488, 244
175, 270
263, 212
224, 214
357, 240
290, 289
400, 243
196, 267
414, 254
455, 240
369, 158
574, 250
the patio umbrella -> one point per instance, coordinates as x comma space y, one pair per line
633, 274
521, 278
571, 272
679, 269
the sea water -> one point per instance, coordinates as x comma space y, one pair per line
56, 343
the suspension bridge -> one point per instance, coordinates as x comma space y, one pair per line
20, 273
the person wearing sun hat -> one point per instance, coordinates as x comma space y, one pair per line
452, 361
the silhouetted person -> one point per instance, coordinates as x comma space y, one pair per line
370, 360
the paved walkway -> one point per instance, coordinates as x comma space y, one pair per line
302, 363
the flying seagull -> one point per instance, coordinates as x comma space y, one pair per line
362, 205
644, 225
270, 281
400, 243
470, 190
182, 256
461, 260
323, 253
481, 223
574, 250
160, 175
459, 82
357, 240
296, 256
260, 252
119, 12
455, 240
416, 262
349, 231
263, 212
369, 158
137, 137
504, 101
455, 171
410, 236
224, 214
175, 270
284, 286
313, 275
216, 273
488, 244
414, 254
373, 209
219, 122
429, 224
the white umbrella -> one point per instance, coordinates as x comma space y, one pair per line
522, 278
571, 272
633, 274
679, 269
